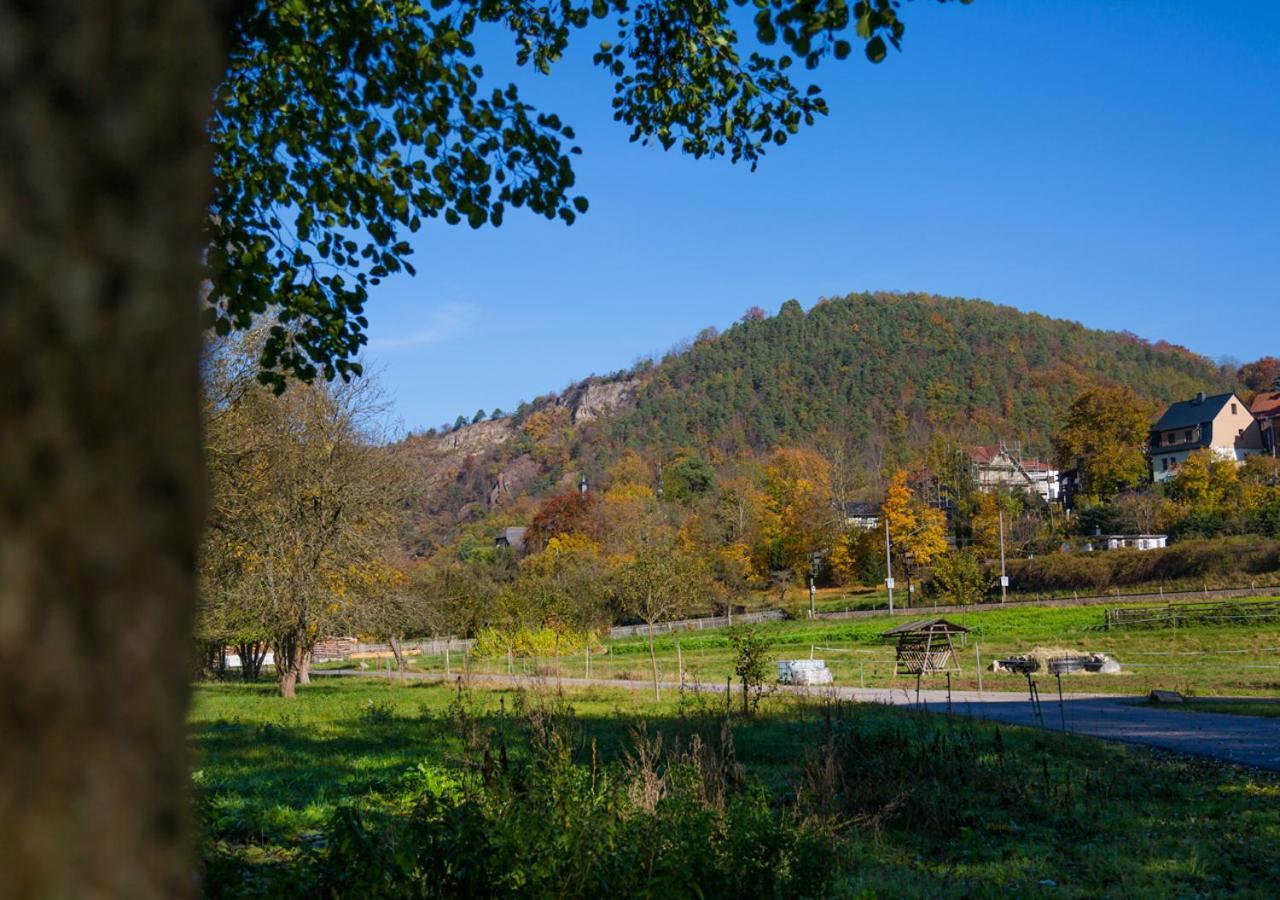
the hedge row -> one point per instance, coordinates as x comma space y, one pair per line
1229, 560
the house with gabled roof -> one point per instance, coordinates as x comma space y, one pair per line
999, 467
1221, 423
1266, 409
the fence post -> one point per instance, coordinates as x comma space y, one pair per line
446, 660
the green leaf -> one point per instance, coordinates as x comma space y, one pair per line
876, 49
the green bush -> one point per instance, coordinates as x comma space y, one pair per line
958, 576
673, 822
1232, 561
492, 643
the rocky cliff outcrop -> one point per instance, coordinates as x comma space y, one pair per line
593, 399
477, 437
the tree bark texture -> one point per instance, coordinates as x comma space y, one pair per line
304, 667
289, 651
103, 187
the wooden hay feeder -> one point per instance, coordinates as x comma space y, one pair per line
926, 646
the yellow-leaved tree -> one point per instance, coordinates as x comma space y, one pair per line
917, 532
1206, 484
798, 487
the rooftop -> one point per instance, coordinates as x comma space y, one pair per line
1194, 411
924, 626
989, 453
1266, 404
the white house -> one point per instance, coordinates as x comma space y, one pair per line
1001, 467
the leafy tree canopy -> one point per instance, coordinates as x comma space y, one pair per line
1106, 429
341, 126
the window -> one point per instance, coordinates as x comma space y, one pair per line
1233, 409
1164, 464
1187, 433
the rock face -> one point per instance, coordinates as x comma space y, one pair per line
594, 399
480, 436
513, 479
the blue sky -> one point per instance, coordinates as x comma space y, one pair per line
1115, 162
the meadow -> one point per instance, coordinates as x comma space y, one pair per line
1197, 661
365, 787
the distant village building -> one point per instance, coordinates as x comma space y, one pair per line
1129, 541
511, 537
1221, 423
1000, 467
1069, 484
860, 515
1266, 409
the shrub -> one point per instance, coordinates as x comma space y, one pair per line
959, 577
493, 643
1224, 560
663, 823
751, 661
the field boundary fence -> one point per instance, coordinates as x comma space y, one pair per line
698, 624
1168, 597
340, 648
1175, 615
1176, 608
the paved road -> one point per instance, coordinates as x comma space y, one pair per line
1247, 740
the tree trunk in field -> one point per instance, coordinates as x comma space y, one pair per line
103, 189
304, 667
397, 652
289, 655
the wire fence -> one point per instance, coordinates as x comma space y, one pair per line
1191, 614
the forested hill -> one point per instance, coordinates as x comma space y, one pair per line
870, 376
896, 366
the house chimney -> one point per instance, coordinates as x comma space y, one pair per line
1199, 398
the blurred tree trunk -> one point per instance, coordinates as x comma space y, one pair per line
397, 652
103, 188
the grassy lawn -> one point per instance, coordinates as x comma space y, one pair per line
922, 806
1214, 661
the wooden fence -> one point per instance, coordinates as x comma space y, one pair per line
1175, 615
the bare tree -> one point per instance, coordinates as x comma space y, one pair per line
657, 582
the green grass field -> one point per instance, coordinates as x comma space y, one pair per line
1218, 661
925, 806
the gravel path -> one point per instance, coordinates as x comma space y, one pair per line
1246, 740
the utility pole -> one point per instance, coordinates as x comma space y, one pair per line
813, 575
888, 564
1004, 579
